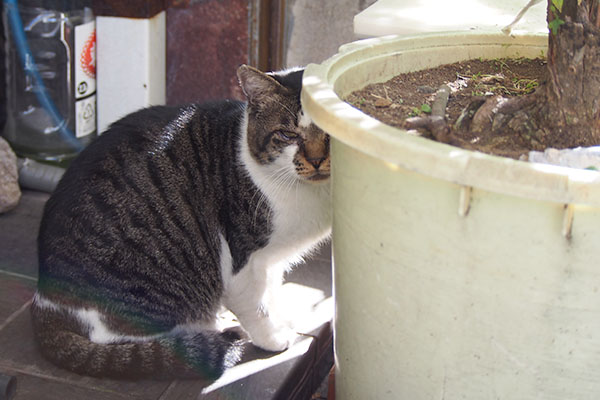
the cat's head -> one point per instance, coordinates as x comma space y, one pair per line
279, 133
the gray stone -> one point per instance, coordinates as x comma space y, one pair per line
10, 193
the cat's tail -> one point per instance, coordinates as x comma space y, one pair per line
204, 356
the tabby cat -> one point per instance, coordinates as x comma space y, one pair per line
170, 215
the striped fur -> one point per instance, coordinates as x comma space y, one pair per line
170, 215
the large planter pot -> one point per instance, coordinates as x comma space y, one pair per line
457, 275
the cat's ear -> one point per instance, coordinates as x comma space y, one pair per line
257, 86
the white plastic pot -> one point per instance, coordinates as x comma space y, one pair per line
457, 275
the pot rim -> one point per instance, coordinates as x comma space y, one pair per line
398, 148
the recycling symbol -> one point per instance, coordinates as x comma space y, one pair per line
88, 112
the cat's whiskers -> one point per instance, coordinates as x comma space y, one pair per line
297, 185
273, 180
260, 192
281, 181
292, 182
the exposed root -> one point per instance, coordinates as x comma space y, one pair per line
495, 113
437, 126
464, 120
436, 122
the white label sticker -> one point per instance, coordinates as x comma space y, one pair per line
85, 79
85, 59
85, 112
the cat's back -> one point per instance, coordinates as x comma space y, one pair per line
138, 176
144, 137
149, 132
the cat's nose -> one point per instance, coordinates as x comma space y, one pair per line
316, 162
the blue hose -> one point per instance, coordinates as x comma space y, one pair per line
29, 66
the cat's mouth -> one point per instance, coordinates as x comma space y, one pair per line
318, 177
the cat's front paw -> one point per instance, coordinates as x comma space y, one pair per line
277, 340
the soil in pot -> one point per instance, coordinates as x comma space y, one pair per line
408, 100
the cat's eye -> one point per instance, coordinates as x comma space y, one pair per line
287, 136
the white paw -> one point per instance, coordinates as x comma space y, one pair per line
277, 340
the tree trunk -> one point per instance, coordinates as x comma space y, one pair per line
572, 95
565, 111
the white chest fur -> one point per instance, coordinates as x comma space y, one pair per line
302, 218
